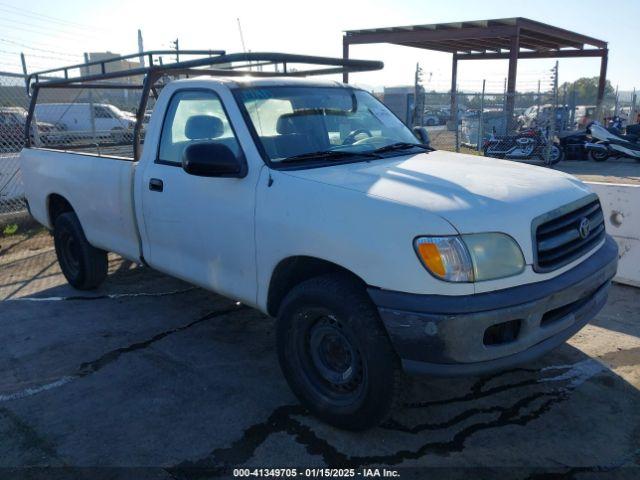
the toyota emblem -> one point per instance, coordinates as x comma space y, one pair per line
584, 227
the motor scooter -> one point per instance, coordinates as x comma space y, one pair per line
604, 144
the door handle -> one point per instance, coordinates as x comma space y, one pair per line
156, 185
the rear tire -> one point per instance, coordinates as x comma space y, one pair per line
335, 352
84, 266
597, 156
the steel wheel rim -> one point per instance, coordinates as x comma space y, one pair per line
70, 252
330, 358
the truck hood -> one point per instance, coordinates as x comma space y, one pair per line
473, 193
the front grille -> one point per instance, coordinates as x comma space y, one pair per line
560, 239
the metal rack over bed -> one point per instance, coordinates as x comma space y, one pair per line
210, 62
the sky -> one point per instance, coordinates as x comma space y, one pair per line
55, 33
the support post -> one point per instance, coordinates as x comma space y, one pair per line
511, 79
602, 83
454, 83
345, 56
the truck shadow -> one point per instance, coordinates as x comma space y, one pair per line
195, 340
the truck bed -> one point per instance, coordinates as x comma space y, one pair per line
100, 190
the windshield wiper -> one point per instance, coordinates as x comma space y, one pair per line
401, 146
327, 154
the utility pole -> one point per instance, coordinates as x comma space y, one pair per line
24, 71
92, 112
418, 107
538, 105
244, 46
551, 127
176, 45
481, 117
141, 48
507, 120
555, 97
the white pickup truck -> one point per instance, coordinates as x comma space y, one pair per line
310, 201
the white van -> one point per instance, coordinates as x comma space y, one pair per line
79, 122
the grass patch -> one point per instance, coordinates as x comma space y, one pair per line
10, 229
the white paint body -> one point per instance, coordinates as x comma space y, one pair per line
620, 204
229, 234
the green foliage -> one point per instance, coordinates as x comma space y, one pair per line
586, 90
10, 229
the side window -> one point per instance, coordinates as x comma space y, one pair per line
101, 112
194, 116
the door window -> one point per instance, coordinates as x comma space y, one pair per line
194, 116
101, 112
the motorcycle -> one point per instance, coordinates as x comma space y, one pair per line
605, 143
526, 144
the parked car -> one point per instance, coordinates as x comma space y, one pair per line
313, 203
82, 121
584, 115
12, 128
432, 118
535, 116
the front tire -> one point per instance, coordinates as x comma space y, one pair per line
335, 352
556, 155
84, 266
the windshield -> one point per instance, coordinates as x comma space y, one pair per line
297, 122
117, 113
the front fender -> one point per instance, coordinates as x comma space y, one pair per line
370, 236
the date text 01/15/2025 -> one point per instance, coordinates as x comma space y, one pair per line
316, 473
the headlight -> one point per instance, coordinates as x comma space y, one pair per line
445, 257
470, 258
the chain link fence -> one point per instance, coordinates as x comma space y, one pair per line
536, 124
98, 120
13, 113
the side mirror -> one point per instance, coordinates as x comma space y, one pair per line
422, 135
212, 159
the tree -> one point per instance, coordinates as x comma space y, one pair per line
586, 90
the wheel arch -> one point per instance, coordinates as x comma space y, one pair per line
292, 271
56, 206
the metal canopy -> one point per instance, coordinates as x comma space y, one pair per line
505, 38
481, 37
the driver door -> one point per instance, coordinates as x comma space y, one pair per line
200, 229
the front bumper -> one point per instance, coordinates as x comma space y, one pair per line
444, 335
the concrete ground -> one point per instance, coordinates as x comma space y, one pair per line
615, 170
149, 377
